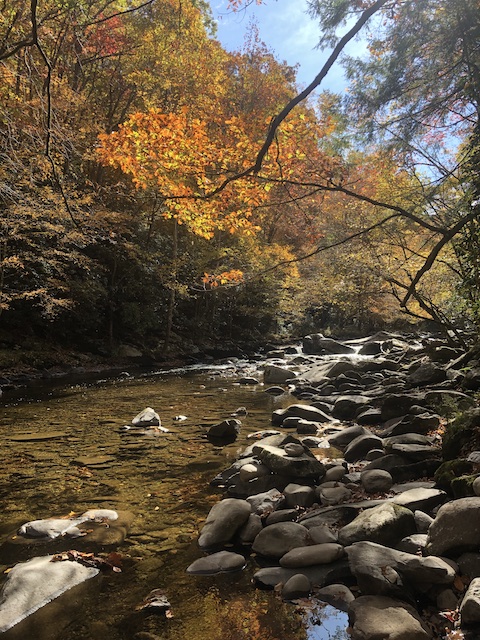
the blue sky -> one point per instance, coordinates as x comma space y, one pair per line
287, 30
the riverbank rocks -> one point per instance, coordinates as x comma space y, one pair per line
456, 528
312, 555
279, 462
147, 418
273, 374
276, 540
220, 562
385, 524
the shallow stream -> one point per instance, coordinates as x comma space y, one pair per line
84, 461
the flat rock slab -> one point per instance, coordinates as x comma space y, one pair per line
318, 575
99, 537
33, 584
37, 437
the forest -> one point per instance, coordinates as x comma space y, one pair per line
160, 192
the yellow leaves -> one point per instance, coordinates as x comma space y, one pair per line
233, 277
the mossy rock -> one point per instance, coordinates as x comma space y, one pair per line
460, 433
462, 487
450, 470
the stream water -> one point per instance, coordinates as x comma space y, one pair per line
164, 481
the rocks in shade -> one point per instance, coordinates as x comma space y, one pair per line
224, 520
376, 481
469, 564
373, 617
275, 391
385, 524
311, 555
422, 521
307, 412
413, 544
276, 540
322, 533
476, 486
333, 495
250, 530
343, 437
347, 407
298, 586
317, 344
319, 574
470, 607
31, 585
147, 418
281, 515
335, 473
248, 381
455, 528
427, 373
359, 447
253, 470
220, 562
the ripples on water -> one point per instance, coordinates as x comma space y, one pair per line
164, 480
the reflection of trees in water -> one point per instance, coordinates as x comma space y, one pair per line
324, 622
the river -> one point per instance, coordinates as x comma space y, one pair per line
164, 481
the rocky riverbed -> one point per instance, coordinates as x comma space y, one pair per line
356, 498
363, 492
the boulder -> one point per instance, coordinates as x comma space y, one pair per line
358, 448
276, 540
426, 374
420, 499
226, 429
318, 344
147, 418
347, 407
314, 554
470, 607
273, 374
376, 481
455, 528
266, 502
336, 595
278, 461
298, 586
297, 495
223, 521
373, 617
385, 524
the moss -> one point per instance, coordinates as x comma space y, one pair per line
450, 470
461, 433
462, 487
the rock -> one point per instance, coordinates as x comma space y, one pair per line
469, 564
226, 429
380, 570
319, 574
333, 495
470, 607
373, 617
395, 405
358, 448
314, 554
297, 495
253, 470
318, 344
278, 461
248, 380
277, 375
322, 534
147, 418
307, 412
447, 600
369, 417
335, 473
455, 528
294, 450
376, 481
266, 502
414, 544
426, 374
412, 423
385, 524
281, 515
336, 595
298, 586
31, 585
422, 521
416, 452
347, 407
347, 435
420, 499
222, 523
331, 516
250, 530
221, 562
275, 391
276, 540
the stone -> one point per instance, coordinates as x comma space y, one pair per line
374, 454
343, 438
278, 461
420, 499
470, 607
275, 391
322, 534
281, 515
298, 586
422, 521
253, 470
369, 417
336, 595
347, 407
297, 495
293, 449
416, 452
376, 481
147, 418
476, 486
308, 412
426, 374
335, 473
319, 574
226, 429
31, 585
250, 530
276, 540
220, 562
314, 554
273, 374
469, 564
318, 344
414, 544
455, 528
447, 600
359, 447
333, 495
223, 521
373, 617
395, 405
266, 502
385, 524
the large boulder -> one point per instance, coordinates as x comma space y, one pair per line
377, 617
272, 374
224, 520
279, 462
317, 343
456, 528
312, 555
385, 524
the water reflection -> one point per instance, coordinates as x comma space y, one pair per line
165, 482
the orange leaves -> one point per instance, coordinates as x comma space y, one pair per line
233, 277
181, 160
